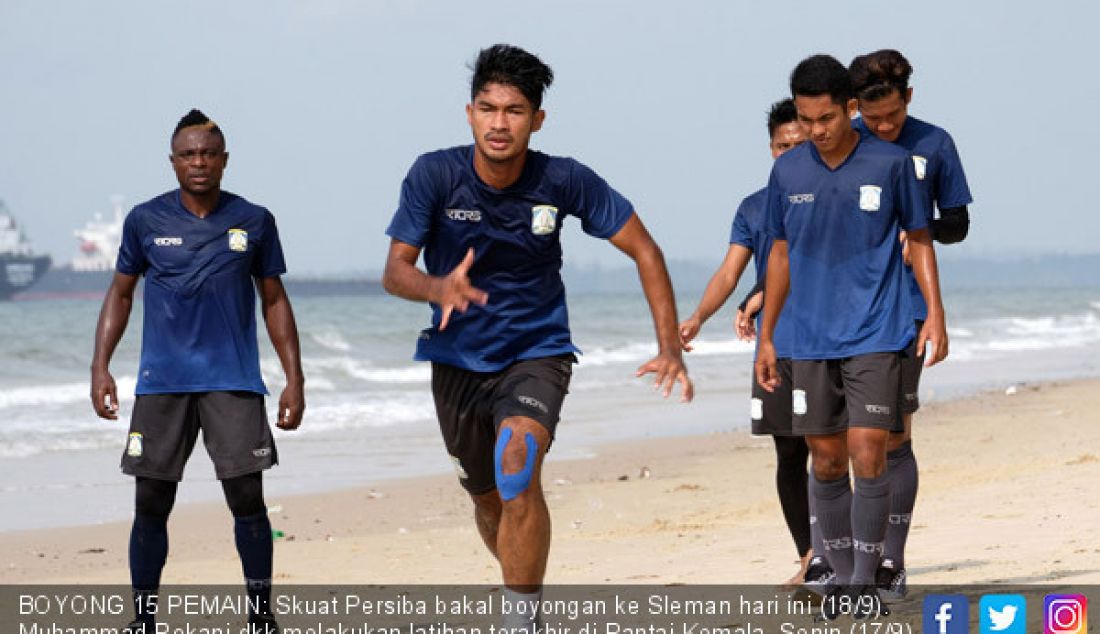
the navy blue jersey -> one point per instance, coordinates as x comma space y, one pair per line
749, 231
515, 233
200, 303
848, 294
939, 170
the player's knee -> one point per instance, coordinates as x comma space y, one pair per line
514, 460
154, 498
830, 466
245, 494
868, 462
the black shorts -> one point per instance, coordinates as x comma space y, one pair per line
831, 395
164, 427
771, 411
911, 367
472, 405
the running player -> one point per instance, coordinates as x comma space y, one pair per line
488, 217
770, 411
881, 84
201, 251
835, 207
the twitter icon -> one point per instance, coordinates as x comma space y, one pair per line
1003, 614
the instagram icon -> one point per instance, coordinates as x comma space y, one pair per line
1065, 614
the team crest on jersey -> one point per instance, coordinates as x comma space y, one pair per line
135, 446
543, 219
920, 166
238, 240
869, 197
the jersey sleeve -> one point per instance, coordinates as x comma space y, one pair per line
913, 204
131, 252
740, 233
952, 189
412, 221
773, 209
269, 260
601, 210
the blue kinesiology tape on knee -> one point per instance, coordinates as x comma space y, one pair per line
512, 484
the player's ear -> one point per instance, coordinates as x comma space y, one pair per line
540, 116
470, 113
852, 107
908, 95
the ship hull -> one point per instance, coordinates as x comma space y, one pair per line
20, 272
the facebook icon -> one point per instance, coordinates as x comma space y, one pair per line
946, 614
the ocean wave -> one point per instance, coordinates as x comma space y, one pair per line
388, 410
324, 373
330, 338
58, 393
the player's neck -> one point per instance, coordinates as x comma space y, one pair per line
202, 205
499, 174
843, 149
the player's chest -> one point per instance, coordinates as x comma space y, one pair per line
850, 198
175, 247
530, 219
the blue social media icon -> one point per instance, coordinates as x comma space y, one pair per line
946, 614
1002, 614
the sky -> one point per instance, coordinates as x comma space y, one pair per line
326, 103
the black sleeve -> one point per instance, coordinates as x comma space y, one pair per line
759, 288
952, 225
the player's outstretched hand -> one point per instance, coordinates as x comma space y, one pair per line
292, 404
935, 332
104, 395
669, 369
689, 328
767, 374
454, 292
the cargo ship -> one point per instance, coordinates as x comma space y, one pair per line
20, 267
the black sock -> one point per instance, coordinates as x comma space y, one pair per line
901, 469
833, 504
148, 552
254, 545
870, 508
791, 483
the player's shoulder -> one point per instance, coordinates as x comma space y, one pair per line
156, 206
445, 159
794, 158
925, 134
241, 206
882, 152
755, 200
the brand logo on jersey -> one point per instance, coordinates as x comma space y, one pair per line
798, 199
168, 241
798, 402
469, 215
920, 166
543, 219
869, 196
134, 446
238, 240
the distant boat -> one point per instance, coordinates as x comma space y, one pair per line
20, 268
89, 274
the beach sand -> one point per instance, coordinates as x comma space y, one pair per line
1006, 495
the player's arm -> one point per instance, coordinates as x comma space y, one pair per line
283, 331
777, 285
952, 225
113, 317
744, 324
451, 292
928, 278
633, 240
718, 290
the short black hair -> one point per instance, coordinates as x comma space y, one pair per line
512, 66
197, 118
876, 75
822, 75
781, 112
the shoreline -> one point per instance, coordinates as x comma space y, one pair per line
1002, 477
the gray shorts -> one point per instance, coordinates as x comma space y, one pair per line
831, 395
911, 367
164, 427
771, 411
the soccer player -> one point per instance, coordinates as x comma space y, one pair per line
881, 83
770, 411
835, 207
201, 250
488, 217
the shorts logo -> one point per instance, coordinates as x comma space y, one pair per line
168, 241
869, 196
878, 409
238, 240
920, 166
798, 199
533, 402
458, 468
757, 409
262, 452
910, 396
469, 215
798, 402
135, 446
543, 219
